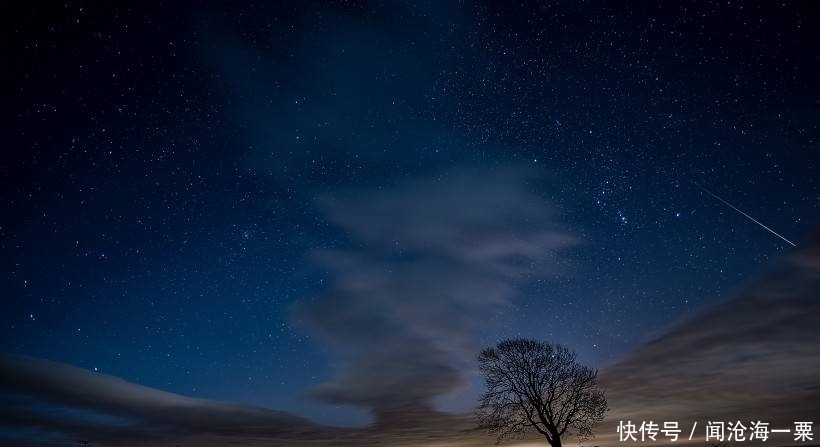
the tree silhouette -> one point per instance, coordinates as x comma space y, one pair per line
538, 386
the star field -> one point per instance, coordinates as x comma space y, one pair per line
171, 171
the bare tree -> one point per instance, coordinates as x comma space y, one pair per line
538, 386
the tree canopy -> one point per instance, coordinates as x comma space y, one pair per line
532, 385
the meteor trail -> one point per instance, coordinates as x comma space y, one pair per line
741, 212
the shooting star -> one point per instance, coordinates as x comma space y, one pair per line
741, 212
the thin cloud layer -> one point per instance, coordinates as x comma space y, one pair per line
753, 357
55, 396
436, 259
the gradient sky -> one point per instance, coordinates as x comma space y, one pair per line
292, 205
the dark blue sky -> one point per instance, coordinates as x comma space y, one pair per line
194, 195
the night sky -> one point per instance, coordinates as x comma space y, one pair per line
328, 208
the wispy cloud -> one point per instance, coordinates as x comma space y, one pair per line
435, 260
